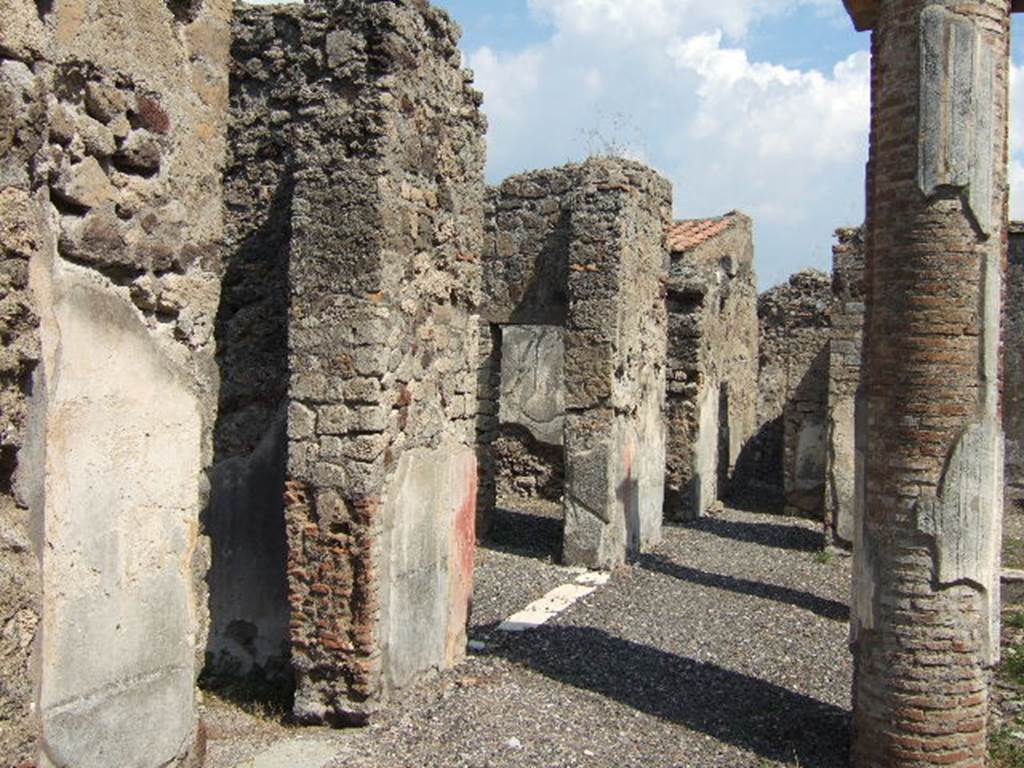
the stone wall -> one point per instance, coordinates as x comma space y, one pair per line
711, 407
111, 188
845, 349
527, 235
22, 239
488, 381
525, 284
580, 248
383, 174
1013, 371
783, 465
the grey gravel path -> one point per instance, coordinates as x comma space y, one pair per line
724, 647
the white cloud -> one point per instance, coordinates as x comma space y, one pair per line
628, 21
509, 81
775, 113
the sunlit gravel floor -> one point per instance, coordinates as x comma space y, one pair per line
726, 646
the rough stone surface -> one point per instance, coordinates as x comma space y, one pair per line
379, 172
783, 465
22, 238
528, 451
249, 608
580, 247
845, 360
525, 283
711, 407
527, 237
615, 355
1013, 370
111, 139
526, 468
926, 543
488, 393
20, 241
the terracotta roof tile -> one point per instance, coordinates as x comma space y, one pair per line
686, 235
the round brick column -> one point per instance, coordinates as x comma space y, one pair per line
925, 593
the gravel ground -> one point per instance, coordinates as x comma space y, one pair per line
724, 647
518, 564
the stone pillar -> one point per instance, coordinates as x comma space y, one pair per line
384, 278
925, 605
615, 363
845, 349
711, 407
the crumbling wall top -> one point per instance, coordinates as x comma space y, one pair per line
865, 12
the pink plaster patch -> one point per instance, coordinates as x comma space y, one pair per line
463, 557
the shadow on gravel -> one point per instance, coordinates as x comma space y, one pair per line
824, 607
776, 535
749, 713
528, 534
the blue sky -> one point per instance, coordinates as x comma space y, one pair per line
757, 105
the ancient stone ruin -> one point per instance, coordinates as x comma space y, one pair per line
845, 359
782, 466
925, 613
1013, 369
575, 265
713, 360
113, 133
275, 357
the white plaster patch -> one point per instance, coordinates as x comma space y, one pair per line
306, 753
554, 602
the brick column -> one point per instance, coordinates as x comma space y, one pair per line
925, 594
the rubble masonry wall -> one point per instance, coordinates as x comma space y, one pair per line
845, 360
711, 407
1013, 369
383, 173
525, 276
112, 141
789, 444
615, 363
580, 251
